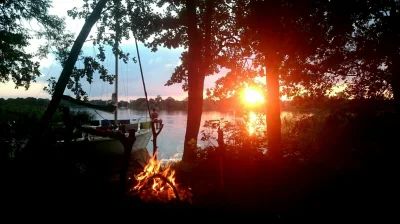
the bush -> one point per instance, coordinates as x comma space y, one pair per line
18, 120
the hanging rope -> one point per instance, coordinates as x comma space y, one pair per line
126, 73
100, 115
141, 73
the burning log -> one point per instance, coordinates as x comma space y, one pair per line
157, 183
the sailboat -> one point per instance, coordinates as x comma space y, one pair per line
104, 145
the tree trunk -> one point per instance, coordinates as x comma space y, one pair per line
273, 109
65, 75
195, 84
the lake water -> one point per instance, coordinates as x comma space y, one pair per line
170, 140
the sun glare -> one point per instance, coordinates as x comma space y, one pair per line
252, 96
252, 118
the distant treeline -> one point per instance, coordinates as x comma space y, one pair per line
170, 103
223, 105
138, 104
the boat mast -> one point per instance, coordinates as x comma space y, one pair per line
116, 75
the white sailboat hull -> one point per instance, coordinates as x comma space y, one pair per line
110, 145
104, 156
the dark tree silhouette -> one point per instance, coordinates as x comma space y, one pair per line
15, 63
365, 47
205, 29
65, 75
277, 36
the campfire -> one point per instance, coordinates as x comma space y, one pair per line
157, 183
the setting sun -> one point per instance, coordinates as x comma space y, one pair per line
252, 96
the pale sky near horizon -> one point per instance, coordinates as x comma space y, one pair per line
157, 68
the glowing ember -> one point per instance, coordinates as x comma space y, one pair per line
157, 182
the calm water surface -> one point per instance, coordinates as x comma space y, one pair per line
170, 140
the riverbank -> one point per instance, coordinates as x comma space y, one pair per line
337, 165
273, 192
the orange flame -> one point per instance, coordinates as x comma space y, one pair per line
157, 182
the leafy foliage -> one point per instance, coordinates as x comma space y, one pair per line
365, 47
320, 44
168, 27
91, 65
286, 33
18, 117
15, 36
237, 137
352, 135
113, 26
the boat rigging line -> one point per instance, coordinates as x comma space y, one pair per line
141, 73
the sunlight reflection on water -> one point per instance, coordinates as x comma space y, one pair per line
170, 141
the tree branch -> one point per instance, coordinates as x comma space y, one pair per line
106, 9
65, 75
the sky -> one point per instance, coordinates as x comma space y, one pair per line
157, 68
